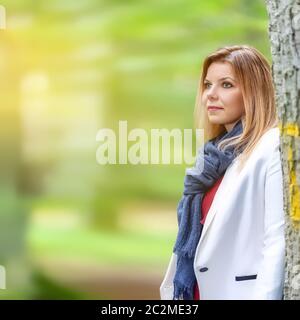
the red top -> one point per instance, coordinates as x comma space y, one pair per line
206, 203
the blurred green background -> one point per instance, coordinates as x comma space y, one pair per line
69, 227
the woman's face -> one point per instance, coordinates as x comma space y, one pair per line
221, 90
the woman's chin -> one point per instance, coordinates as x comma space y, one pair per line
215, 120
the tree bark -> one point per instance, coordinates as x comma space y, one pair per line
284, 35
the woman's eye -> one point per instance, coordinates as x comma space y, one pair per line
227, 83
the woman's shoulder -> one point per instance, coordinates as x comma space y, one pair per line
266, 147
270, 140
272, 133
269, 145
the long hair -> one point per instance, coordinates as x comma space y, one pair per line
254, 75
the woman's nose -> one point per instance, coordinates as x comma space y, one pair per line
211, 95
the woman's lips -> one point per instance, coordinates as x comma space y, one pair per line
214, 108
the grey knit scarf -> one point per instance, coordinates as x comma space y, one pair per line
211, 164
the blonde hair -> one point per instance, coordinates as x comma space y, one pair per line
254, 75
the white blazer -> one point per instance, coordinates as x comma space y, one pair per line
241, 252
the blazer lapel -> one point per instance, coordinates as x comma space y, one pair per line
220, 195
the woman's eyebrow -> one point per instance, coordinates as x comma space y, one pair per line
222, 79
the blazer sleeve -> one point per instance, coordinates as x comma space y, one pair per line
270, 276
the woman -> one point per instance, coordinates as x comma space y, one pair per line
238, 251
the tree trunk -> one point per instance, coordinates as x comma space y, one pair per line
284, 34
